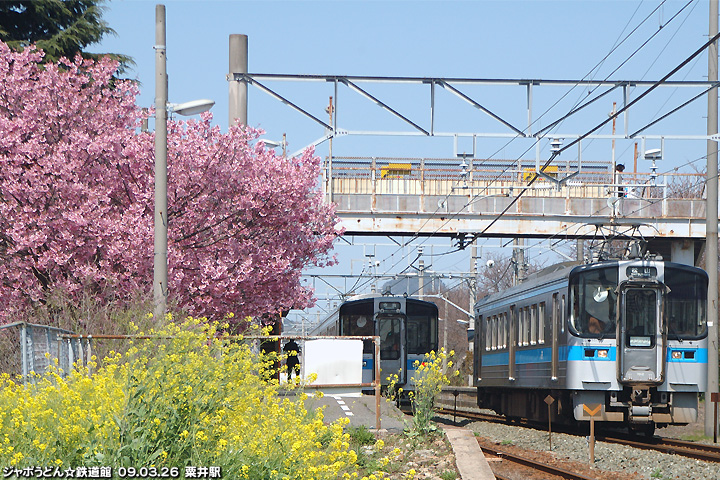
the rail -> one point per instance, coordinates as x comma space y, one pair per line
699, 451
535, 465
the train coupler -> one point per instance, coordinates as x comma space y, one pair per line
640, 414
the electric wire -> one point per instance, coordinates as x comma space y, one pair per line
576, 107
601, 124
599, 211
416, 235
562, 97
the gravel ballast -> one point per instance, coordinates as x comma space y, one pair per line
648, 464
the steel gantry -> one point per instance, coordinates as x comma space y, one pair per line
433, 196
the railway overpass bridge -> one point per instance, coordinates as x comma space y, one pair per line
473, 199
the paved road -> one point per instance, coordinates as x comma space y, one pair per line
360, 410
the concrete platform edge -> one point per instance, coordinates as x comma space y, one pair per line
469, 457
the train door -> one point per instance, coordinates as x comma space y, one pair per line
513, 342
641, 346
478, 347
555, 320
391, 329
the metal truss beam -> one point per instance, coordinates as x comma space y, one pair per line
383, 105
451, 85
475, 104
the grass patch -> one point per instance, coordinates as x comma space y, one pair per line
361, 436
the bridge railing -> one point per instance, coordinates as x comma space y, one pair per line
439, 177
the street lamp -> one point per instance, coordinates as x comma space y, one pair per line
160, 276
191, 108
275, 144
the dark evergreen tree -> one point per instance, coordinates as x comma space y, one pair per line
60, 28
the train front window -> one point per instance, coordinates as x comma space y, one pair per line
640, 317
389, 331
593, 301
357, 320
685, 304
421, 329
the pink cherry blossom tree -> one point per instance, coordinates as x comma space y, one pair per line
76, 206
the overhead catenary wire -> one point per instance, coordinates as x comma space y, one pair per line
415, 236
617, 44
573, 110
649, 203
601, 124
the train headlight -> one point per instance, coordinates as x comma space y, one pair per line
676, 354
602, 353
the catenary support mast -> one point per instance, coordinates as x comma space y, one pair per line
712, 223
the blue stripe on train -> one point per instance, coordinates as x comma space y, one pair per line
579, 353
699, 355
582, 353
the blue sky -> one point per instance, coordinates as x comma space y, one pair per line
470, 39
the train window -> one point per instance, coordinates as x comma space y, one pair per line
422, 328
494, 332
533, 325
356, 319
593, 301
421, 333
389, 331
526, 326
686, 303
513, 327
500, 331
487, 333
503, 329
479, 327
541, 322
528, 319
521, 326
640, 317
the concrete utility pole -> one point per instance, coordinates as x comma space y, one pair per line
711, 228
472, 290
160, 275
329, 189
580, 250
237, 99
519, 258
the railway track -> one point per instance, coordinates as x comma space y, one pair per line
699, 451
535, 465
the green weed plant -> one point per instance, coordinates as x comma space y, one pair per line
429, 379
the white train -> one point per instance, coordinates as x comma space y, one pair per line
629, 336
408, 329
